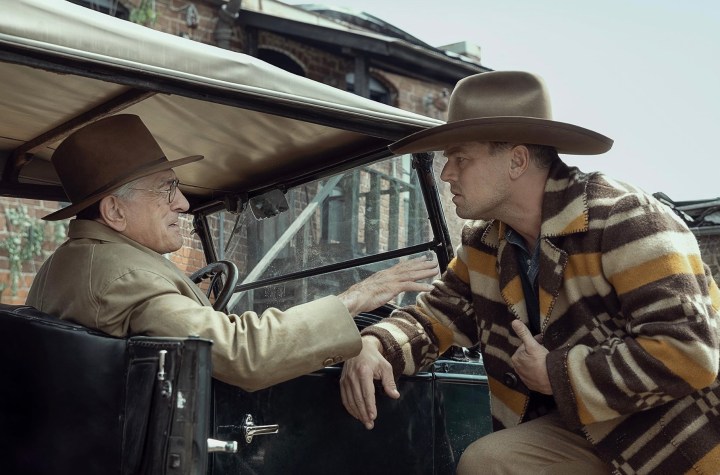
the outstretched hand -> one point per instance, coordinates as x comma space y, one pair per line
383, 286
357, 386
529, 360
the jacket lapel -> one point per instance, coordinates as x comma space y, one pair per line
564, 212
508, 270
553, 261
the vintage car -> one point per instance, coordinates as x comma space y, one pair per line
297, 197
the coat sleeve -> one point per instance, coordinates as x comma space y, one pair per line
249, 350
668, 311
413, 337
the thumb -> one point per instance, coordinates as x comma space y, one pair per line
522, 331
388, 383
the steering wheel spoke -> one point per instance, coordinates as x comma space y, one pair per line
215, 271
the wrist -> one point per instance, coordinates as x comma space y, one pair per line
349, 299
373, 342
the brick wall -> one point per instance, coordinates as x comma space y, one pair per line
53, 233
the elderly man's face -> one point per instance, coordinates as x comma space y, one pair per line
151, 220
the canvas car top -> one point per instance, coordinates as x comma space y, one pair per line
258, 126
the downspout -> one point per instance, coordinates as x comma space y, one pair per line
227, 15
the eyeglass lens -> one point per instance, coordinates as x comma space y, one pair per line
173, 190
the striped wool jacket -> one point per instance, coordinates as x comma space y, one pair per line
628, 311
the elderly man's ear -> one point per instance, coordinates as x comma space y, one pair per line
113, 213
519, 161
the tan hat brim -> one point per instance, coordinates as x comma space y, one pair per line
75, 208
566, 138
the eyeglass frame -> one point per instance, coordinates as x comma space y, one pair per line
172, 191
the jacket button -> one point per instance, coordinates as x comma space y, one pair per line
337, 359
510, 380
328, 362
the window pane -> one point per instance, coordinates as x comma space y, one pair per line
358, 213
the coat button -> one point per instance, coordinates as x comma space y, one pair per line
337, 359
328, 362
510, 380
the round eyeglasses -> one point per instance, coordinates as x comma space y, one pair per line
171, 192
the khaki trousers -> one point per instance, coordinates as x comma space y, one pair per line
540, 447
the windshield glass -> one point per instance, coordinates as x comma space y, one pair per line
356, 214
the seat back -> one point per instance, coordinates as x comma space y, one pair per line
74, 400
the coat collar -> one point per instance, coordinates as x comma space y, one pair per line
564, 209
87, 229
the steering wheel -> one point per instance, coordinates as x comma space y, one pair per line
223, 288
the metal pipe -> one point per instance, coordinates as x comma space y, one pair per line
227, 15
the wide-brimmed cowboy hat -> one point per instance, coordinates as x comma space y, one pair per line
503, 106
99, 158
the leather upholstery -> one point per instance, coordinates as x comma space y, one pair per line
74, 400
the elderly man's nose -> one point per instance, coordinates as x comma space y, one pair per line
180, 203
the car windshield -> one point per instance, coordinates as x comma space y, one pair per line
326, 239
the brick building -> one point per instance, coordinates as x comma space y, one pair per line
351, 51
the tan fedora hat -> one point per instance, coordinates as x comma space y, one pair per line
503, 106
99, 158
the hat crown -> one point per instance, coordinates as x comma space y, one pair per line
100, 156
503, 106
500, 94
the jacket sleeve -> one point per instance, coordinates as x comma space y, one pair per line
413, 337
249, 350
668, 305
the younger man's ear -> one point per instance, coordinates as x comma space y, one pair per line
519, 161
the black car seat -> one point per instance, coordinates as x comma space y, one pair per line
77, 401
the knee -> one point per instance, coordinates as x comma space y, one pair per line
491, 454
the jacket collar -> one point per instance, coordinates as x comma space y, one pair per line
564, 209
87, 229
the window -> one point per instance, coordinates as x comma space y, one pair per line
378, 91
109, 7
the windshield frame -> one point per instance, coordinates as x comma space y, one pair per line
438, 243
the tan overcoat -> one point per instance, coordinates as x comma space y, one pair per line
103, 280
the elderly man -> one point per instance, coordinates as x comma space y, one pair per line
111, 275
596, 318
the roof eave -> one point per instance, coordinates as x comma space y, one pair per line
387, 52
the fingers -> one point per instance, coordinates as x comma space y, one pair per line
404, 276
385, 285
388, 383
357, 387
522, 331
419, 265
416, 287
358, 395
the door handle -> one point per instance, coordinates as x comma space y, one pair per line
250, 430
